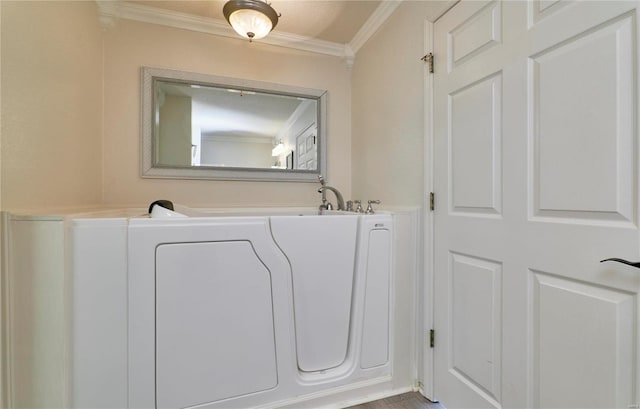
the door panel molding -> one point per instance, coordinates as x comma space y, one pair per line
580, 331
476, 139
475, 325
592, 127
481, 31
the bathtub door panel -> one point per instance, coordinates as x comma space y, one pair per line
214, 323
321, 251
375, 333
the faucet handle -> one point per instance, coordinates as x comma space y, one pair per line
358, 204
370, 208
349, 206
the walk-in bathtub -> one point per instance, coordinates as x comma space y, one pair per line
227, 311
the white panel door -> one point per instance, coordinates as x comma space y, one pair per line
536, 181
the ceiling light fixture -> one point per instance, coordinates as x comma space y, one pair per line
252, 19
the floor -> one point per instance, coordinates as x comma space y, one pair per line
412, 400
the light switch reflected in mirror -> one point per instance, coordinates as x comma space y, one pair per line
210, 127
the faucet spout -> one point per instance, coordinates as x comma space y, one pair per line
335, 191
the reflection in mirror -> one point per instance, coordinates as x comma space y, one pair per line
201, 126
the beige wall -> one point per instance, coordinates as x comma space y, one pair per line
51, 104
130, 45
388, 122
52, 151
3, 297
388, 108
71, 108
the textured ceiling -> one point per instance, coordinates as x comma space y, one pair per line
330, 20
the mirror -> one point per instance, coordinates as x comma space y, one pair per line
198, 126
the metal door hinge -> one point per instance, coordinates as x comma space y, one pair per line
432, 338
432, 201
428, 58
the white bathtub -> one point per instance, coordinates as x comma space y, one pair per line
227, 311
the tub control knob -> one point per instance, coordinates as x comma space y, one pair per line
349, 206
358, 204
369, 207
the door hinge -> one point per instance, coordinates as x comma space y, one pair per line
432, 201
432, 338
428, 58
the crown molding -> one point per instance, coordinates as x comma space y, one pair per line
110, 11
369, 28
146, 14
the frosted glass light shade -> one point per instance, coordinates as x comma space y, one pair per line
252, 19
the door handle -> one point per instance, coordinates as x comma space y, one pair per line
623, 261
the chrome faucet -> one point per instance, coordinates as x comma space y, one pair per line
359, 208
324, 205
370, 208
349, 206
323, 189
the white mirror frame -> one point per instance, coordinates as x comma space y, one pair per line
150, 170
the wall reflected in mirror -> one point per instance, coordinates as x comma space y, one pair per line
222, 128
225, 127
